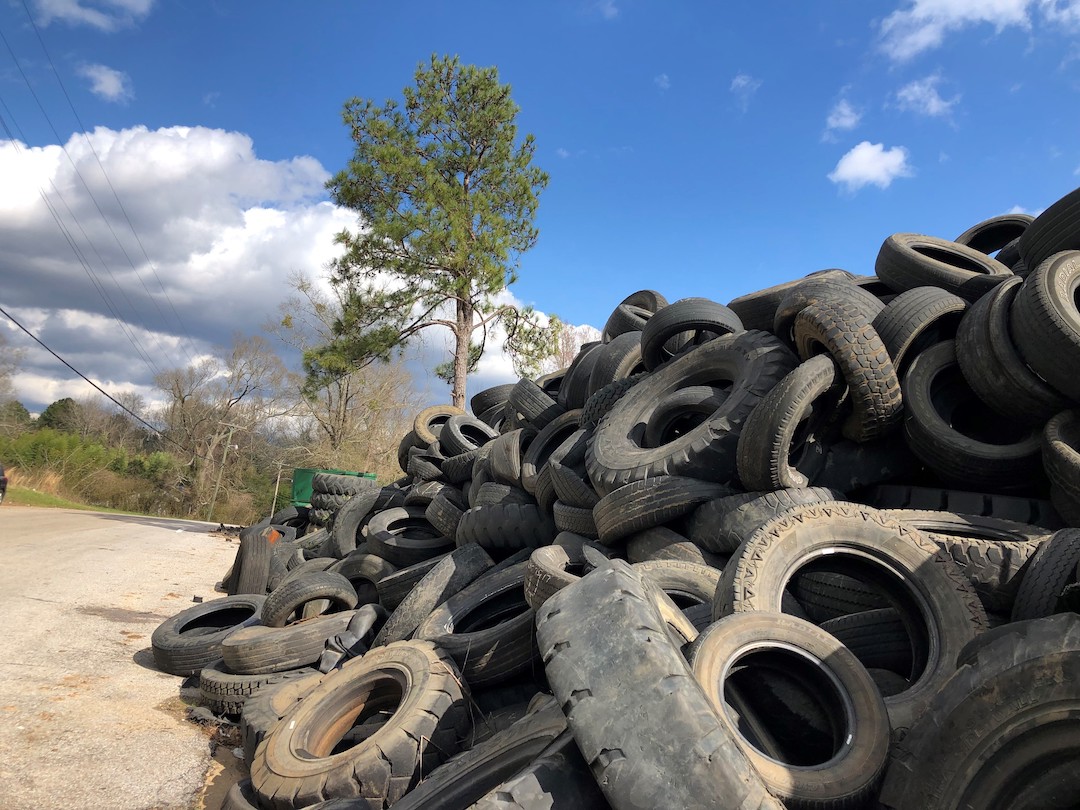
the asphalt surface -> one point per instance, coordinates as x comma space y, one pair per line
85, 720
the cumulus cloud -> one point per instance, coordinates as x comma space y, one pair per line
563, 153
842, 117
871, 164
743, 87
223, 229
108, 83
662, 81
922, 97
104, 15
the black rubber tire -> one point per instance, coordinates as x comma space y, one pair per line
574, 519
413, 680
267, 706
535, 407
643, 504
662, 543
506, 454
255, 650
816, 289
393, 588
998, 728
1050, 569
468, 777
453, 572
404, 537
348, 520
293, 597
551, 569
756, 310
463, 433
779, 646
994, 234
570, 486
640, 719
600, 403
785, 439
1055, 229
680, 411
575, 385
939, 606
753, 362
722, 524
909, 260
544, 444
876, 637
241, 796
185, 643
841, 330
424, 466
428, 423
444, 513
824, 595
334, 484
999, 456
1061, 452
917, 319
458, 469
1046, 322
407, 443
225, 692
501, 530
631, 313
617, 360
490, 398
1008, 507
494, 653
690, 586
689, 321
991, 363
493, 494
252, 565
364, 571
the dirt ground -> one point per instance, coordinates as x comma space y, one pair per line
85, 719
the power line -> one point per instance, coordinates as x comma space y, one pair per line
131, 225
101, 390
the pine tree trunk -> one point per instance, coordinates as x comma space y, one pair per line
462, 333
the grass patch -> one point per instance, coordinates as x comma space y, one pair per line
21, 496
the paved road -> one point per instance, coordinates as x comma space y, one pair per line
85, 721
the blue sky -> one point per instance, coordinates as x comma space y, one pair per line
698, 149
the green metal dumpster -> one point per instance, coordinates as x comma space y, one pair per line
301, 482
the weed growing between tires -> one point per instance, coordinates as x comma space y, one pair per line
817, 548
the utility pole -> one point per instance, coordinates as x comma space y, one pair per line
221, 469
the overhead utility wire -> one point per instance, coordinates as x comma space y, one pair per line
105, 393
79, 255
131, 225
82, 180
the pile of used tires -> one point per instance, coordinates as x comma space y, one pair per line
809, 549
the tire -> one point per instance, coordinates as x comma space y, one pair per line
992, 454
1021, 510
876, 637
468, 777
264, 708
756, 310
241, 796
1046, 323
749, 646
570, 486
1052, 231
680, 411
458, 469
816, 289
364, 572
492, 494
1049, 570
690, 586
394, 587
256, 650
846, 334
825, 596
999, 728
226, 693
638, 716
503, 644
721, 525
334, 484
917, 319
295, 597
430, 715
909, 260
502, 530
454, 572
599, 404
506, 455
995, 233
429, 422
661, 543
1061, 452
536, 407
575, 385
348, 520
329, 502
785, 439
463, 433
617, 360
253, 560
753, 362
689, 321
444, 514
551, 569
404, 537
490, 398
643, 504
191, 640
544, 444
940, 608
408, 442
991, 363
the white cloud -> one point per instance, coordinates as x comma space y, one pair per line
921, 96
662, 81
871, 164
842, 117
108, 83
105, 15
1065, 13
1019, 209
607, 8
744, 86
223, 228
563, 153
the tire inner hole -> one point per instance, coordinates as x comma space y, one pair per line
218, 620
965, 413
950, 258
494, 611
369, 713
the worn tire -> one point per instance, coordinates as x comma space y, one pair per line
280, 605
191, 640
